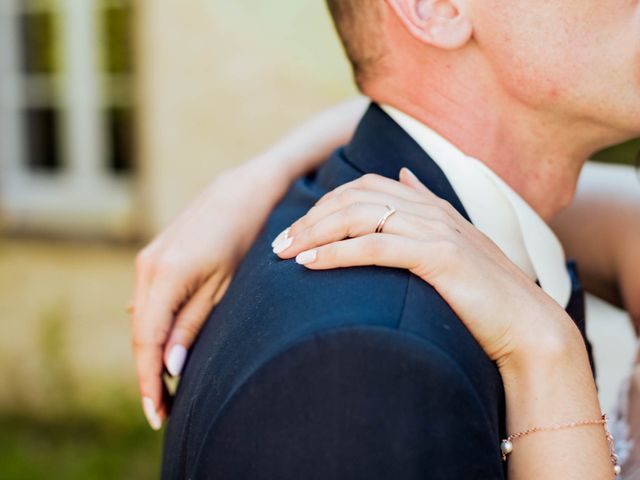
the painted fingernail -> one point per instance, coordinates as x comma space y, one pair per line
176, 359
281, 235
282, 245
410, 173
303, 258
150, 412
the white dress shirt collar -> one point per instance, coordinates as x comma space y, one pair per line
496, 210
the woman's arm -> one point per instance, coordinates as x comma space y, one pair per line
601, 230
537, 347
551, 386
182, 274
308, 145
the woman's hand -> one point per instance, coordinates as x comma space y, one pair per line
504, 310
184, 272
537, 347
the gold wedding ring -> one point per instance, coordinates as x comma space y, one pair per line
384, 218
130, 308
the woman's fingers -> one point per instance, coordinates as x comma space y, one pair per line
189, 321
354, 220
149, 368
347, 198
359, 219
378, 183
410, 195
346, 205
144, 268
151, 325
380, 249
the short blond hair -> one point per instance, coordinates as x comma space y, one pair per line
357, 23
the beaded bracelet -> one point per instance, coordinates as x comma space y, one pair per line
507, 444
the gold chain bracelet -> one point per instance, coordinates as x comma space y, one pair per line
507, 444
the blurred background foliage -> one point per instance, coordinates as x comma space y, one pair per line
627, 153
114, 114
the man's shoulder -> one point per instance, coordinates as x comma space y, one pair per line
268, 289
365, 392
276, 311
272, 303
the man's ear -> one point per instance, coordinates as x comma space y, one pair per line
441, 23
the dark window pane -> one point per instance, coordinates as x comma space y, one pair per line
41, 139
38, 42
116, 39
120, 125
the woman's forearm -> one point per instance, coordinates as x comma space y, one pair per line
309, 144
552, 389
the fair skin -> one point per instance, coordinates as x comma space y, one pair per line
179, 270
538, 350
485, 93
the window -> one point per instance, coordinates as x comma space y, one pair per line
38, 39
67, 152
116, 57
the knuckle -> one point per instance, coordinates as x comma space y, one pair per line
144, 259
374, 246
153, 338
369, 180
326, 255
302, 223
352, 212
298, 226
341, 198
352, 221
189, 328
171, 263
371, 177
349, 218
352, 194
347, 196
308, 233
312, 211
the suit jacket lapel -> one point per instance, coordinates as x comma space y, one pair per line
381, 146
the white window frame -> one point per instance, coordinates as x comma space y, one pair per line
85, 197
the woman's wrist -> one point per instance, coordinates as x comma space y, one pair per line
549, 379
558, 389
549, 338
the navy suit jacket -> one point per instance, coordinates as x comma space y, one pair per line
358, 373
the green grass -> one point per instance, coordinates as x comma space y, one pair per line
68, 402
76, 445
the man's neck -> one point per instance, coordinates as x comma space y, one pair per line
539, 157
